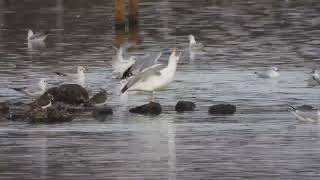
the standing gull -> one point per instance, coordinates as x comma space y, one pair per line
34, 91
37, 37
304, 116
272, 72
154, 78
78, 77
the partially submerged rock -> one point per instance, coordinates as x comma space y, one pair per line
222, 109
305, 108
182, 106
4, 108
151, 108
102, 112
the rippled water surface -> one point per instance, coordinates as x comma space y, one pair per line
261, 141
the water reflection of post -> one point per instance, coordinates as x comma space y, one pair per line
1, 18
120, 24
59, 20
172, 151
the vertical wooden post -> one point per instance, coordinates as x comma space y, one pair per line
133, 13
120, 14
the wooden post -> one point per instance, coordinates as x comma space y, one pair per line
133, 13
120, 14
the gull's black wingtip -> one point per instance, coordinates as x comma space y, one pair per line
59, 73
18, 89
292, 108
124, 89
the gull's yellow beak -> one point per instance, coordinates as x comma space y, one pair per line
174, 51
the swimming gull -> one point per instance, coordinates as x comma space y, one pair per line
315, 77
305, 116
34, 91
272, 72
193, 45
154, 78
37, 37
78, 77
120, 64
127, 67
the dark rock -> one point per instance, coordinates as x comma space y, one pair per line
50, 115
305, 108
151, 108
4, 108
182, 106
222, 109
73, 94
102, 112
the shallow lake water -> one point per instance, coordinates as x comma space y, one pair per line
262, 140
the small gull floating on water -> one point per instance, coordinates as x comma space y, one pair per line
315, 78
127, 67
37, 37
193, 45
120, 64
305, 116
272, 72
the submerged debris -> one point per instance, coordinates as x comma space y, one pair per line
182, 106
222, 109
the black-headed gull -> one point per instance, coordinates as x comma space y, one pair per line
34, 91
78, 77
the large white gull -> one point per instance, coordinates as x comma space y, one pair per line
154, 78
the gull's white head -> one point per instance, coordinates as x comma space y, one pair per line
315, 73
30, 33
43, 84
132, 59
81, 69
191, 39
174, 56
274, 69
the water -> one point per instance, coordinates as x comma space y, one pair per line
261, 141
